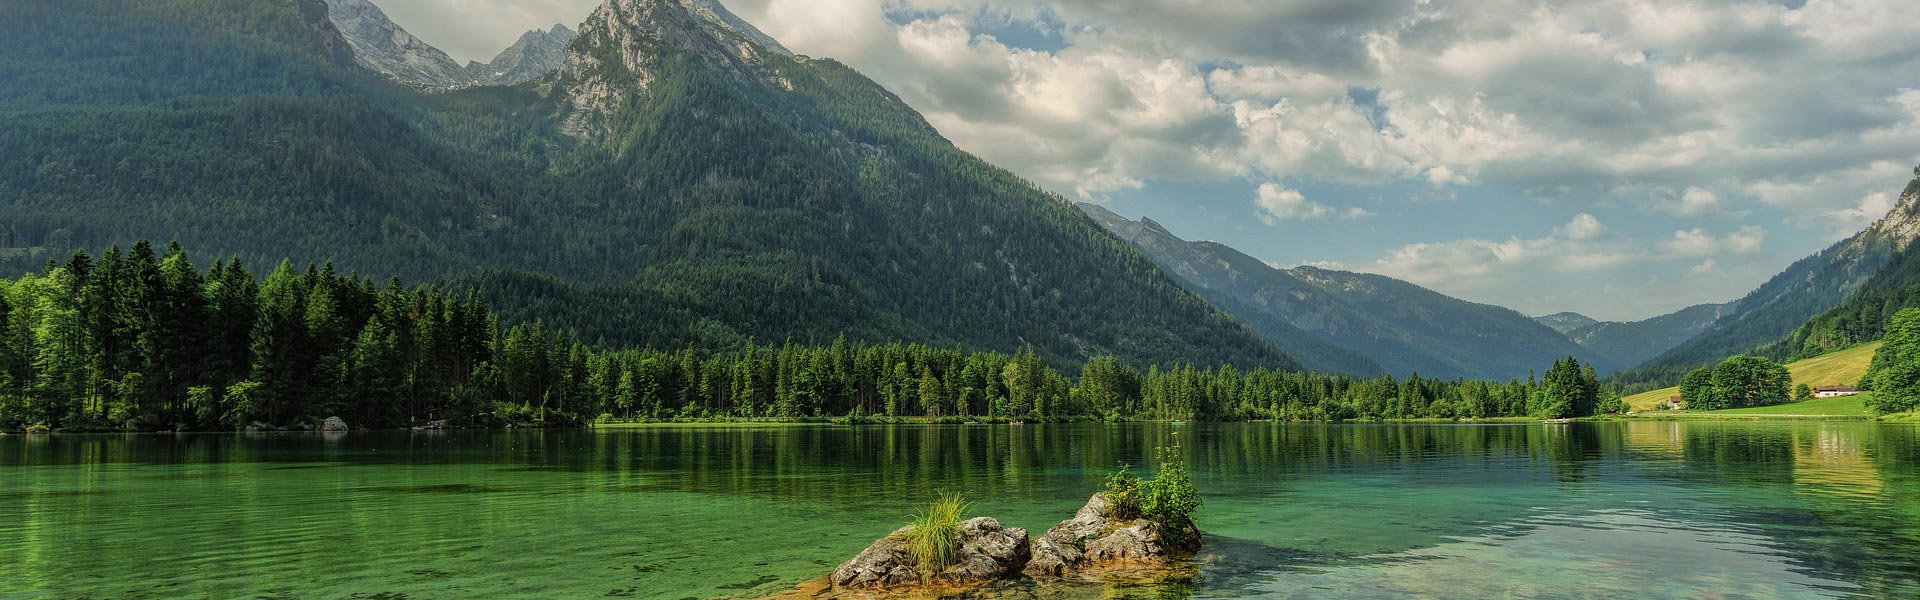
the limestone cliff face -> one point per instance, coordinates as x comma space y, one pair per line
385, 48
1901, 225
624, 44
536, 54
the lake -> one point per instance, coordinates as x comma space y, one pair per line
1588, 510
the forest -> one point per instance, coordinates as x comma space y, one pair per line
141, 340
242, 129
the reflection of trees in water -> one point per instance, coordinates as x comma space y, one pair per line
1852, 510
1847, 515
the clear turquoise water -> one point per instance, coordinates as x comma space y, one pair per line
1604, 510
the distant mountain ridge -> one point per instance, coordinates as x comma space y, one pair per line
1567, 322
1633, 343
1398, 326
386, 48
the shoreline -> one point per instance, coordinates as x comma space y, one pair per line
924, 421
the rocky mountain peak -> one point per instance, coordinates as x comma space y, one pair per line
1902, 224
536, 53
621, 47
384, 47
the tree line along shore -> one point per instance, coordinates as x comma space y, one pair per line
145, 341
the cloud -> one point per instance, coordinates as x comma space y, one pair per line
1278, 204
1692, 243
1583, 227
1696, 201
1698, 242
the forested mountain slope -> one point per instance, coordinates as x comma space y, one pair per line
675, 182
1863, 316
1400, 327
1785, 303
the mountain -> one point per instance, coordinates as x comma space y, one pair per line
679, 181
1567, 322
384, 47
535, 54
1398, 327
1639, 341
1191, 262
1785, 303
1862, 317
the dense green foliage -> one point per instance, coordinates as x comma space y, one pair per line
1738, 382
721, 208
1122, 492
139, 341
1894, 375
1568, 390
1170, 497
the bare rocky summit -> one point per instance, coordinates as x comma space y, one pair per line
382, 46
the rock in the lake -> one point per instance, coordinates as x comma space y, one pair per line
333, 424
986, 552
1090, 539
886, 563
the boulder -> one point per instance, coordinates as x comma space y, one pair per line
985, 553
885, 563
333, 424
1139, 541
1090, 539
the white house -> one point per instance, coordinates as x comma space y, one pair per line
1833, 391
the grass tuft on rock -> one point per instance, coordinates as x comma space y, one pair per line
933, 540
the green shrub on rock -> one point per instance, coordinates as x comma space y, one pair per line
1170, 498
1123, 494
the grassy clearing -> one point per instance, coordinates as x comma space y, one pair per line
1845, 405
1839, 368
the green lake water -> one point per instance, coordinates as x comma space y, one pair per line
1589, 510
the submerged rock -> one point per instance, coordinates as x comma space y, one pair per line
333, 424
986, 552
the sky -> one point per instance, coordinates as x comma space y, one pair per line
1619, 158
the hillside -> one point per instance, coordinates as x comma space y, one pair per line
1863, 316
1839, 368
1402, 327
1639, 341
1786, 302
679, 180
